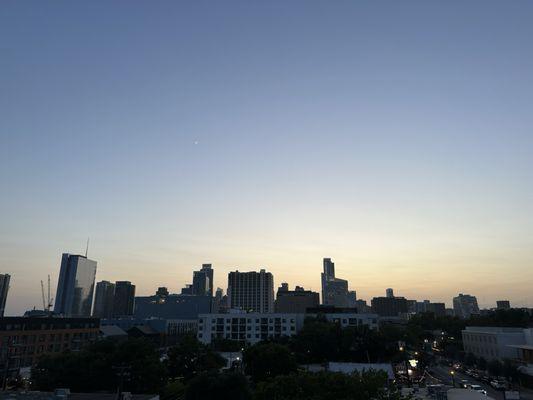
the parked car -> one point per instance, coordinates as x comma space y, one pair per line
478, 389
464, 383
499, 385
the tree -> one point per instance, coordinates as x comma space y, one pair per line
95, 368
495, 367
325, 386
216, 386
190, 358
267, 360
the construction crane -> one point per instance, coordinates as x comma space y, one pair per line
47, 304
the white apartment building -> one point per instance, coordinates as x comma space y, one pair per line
256, 327
493, 342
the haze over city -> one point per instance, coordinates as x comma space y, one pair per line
395, 140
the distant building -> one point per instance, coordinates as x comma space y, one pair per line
496, 342
75, 287
124, 299
4, 288
362, 307
465, 305
162, 292
503, 305
202, 282
389, 306
103, 299
28, 338
251, 291
389, 293
439, 309
334, 290
174, 306
295, 301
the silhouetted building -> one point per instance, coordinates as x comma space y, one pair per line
4, 288
362, 307
389, 306
174, 306
162, 292
334, 290
295, 301
208, 270
124, 299
465, 305
251, 291
389, 293
439, 309
28, 338
187, 290
200, 283
503, 305
103, 299
75, 287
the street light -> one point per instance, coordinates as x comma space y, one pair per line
452, 373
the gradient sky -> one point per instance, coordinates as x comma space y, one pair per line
394, 137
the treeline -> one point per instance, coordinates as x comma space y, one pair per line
191, 370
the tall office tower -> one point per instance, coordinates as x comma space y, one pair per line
500, 304
4, 288
124, 299
103, 299
334, 290
75, 286
208, 270
162, 292
251, 291
200, 283
464, 306
389, 293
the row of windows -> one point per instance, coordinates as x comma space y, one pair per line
482, 351
52, 337
220, 328
243, 321
480, 338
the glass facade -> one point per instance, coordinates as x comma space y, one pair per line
74, 296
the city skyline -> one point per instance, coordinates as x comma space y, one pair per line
395, 140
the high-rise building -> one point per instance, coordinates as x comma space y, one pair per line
295, 301
162, 292
389, 293
334, 290
465, 305
75, 286
503, 305
124, 299
200, 283
4, 288
251, 291
208, 270
103, 299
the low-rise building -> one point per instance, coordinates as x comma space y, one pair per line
493, 342
256, 327
24, 339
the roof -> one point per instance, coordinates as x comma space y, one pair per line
112, 330
349, 368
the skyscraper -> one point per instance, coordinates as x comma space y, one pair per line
465, 305
251, 291
200, 283
389, 293
208, 270
334, 290
75, 286
103, 299
124, 299
295, 301
4, 288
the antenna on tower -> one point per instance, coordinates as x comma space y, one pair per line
87, 248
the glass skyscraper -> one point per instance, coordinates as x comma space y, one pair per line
75, 287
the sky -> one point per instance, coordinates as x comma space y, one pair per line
394, 137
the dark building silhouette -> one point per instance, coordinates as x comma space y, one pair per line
251, 291
174, 306
124, 299
334, 290
4, 288
295, 301
104, 298
503, 305
75, 287
389, 306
